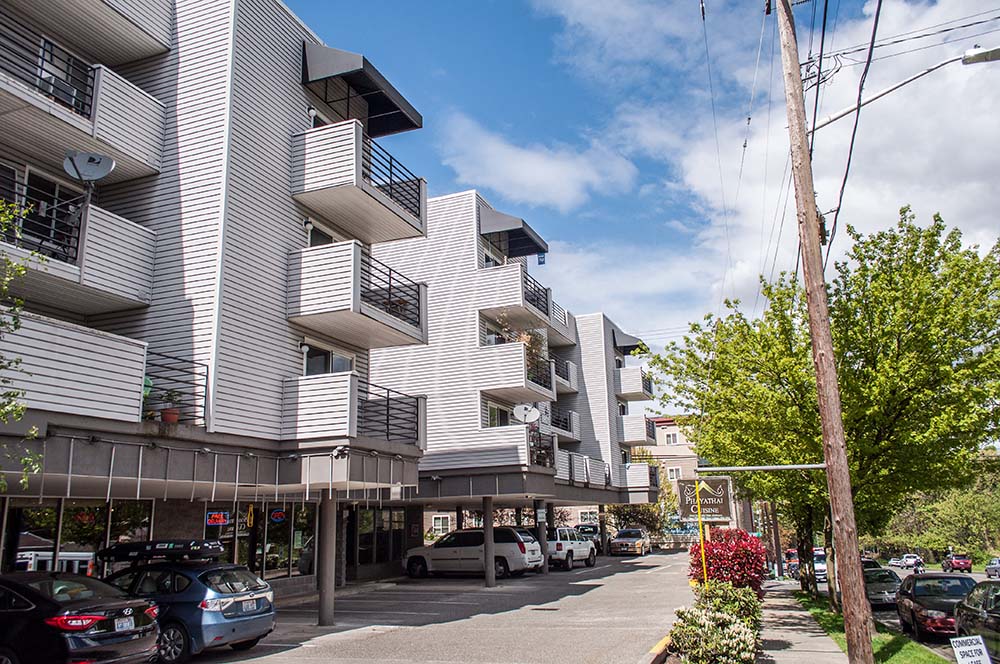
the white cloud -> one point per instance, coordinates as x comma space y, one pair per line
560, 177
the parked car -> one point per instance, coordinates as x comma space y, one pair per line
819, 564
909, 560
926, 602
203, 603
529, 538
957, 562
630, 540
462, 551
993, 568
895, 562
870, 563
881, 585
53, 617
592, 532
979, 614
566, 546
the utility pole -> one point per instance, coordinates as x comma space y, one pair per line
857, 612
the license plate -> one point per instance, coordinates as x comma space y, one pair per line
249, 605
124, 624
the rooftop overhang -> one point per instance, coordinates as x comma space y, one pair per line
522, 240
388, 110
626, 343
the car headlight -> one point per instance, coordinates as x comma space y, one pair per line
931, 613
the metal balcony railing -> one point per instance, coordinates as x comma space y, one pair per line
562, 369
535, 294
540, 448
178, 383
654, 475
383, 287
47, 220
560, 419
538, 370
44, 66
559, 314
650, 429
387, 414
647, 382
386, 174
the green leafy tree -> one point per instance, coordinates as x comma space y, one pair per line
654, 517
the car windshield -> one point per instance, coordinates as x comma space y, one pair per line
943, 587
960, 557
69, 589
880, 576
629, 534
587, 530
820, 558
526, 536
230, 581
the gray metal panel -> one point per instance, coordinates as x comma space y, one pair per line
528, 242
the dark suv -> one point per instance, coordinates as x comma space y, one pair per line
203, 603
592, 532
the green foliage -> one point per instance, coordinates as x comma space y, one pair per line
914, 318
743, 603
705, 636
654, 517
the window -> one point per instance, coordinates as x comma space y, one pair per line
156, 582
619, 362
323, 361
976, 597
318, 238
499, 416
674, 473
670, 439
622, 408
441, 524
625, 455
11, 601
504, 536
494, 251
469, 538
494, 335
588, 516
64, 77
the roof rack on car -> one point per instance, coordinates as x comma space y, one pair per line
163, 549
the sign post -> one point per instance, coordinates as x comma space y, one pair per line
705, 500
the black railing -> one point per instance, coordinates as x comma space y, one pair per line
538, 370
29, 57
654, 474
562, 369
560, 419
535, 294
47, 221
650, 429
559, 314
387, 414
390, 177
647, 383
175, 383
540, 448
383, 287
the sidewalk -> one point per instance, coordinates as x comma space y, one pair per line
790, 634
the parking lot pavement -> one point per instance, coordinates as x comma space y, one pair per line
613, 612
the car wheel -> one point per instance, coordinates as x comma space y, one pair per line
416, 568
918, 631
568, 563
7, 657
500, 568
591, 559
245, 645
903, 625
175, 646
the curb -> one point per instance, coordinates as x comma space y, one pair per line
657, 654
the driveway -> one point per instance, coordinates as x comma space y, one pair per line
613, 612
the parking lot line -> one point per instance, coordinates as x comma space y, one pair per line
592, 569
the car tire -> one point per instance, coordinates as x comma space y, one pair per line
8, 657
519, 572
500, 568
903, 625
568, 563
416, 568
591, 559
174, 644
918, 632
246, 645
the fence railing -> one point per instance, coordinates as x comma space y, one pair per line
535, 294
541, 451
44, 66
654, 475
383, 287
387, 414
388, 175
46, 222
560, 419
175, 382
538, 370
650, 429
647, 382
559, 314
562, 369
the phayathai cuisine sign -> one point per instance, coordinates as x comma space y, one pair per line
715, 495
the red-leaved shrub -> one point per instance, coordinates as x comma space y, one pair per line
735, 556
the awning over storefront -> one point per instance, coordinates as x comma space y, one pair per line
388, 110
626, 343
522, 240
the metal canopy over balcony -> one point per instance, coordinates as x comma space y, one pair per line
626, 343
522, 240
388, 110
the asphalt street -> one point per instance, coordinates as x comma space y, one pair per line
613, 612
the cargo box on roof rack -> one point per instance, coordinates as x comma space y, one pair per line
163, 549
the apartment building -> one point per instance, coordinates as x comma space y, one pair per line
496, 340
197, 328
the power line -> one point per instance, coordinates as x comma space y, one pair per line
753, 94
819, 78
945, 42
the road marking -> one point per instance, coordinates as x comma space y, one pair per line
285, 645
412, 601
592, 569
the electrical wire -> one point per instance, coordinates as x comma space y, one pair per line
819, 79
753, 94
945, 42
912, 35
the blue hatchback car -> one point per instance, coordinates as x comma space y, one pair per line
202, 603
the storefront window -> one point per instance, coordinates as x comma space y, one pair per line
278, 527
366, 537
30, 535
84, 524
398, 533
220, 524
383, 535
303, 547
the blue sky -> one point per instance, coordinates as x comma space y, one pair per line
593, 121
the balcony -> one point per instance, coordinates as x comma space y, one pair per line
346, 406
582, 470
115, 31
512, 373
562, 326
67, 368
340, 290
81, 258
633, 384
565, 424
567, 376
64, 102
636, 430
176, 383
508, 290
639, 476
350, 180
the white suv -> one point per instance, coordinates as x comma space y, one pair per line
566, 546
462, 551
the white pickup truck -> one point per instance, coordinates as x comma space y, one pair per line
567, 546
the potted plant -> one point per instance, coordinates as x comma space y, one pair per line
170, 412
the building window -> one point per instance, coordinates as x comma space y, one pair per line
619, 362
674, 473
588, 516
494, 335
322, 361
318, 238
625, 455
64, 77
441, 524
499, 416
622, 408
670, 439
494, 250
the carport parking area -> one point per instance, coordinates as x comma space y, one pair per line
612, 612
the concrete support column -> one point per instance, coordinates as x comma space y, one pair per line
540, 533
602, 521
57, 544
518, 516
327, 557
459, 518
550, 515
488, 548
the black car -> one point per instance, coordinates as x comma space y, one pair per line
52, 617
979, 613
926, 602
592, 532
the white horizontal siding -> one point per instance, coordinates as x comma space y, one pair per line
326, 157
322, 279
118, 255
319, 406
127, 118
636, 475
72, 369
633, 429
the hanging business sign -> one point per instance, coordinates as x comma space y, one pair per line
217, 519
715, 495
278, 515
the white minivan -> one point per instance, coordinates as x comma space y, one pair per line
461, 551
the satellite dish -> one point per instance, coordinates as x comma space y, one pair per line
87, 166
526, 413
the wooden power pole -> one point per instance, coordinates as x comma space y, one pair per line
857, 612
